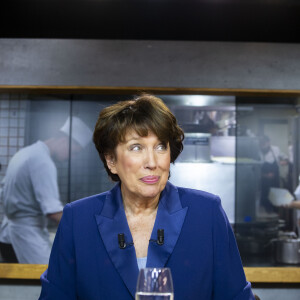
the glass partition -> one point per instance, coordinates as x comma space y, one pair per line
208, 158
88, 175
223, 154
34, 158
267, 176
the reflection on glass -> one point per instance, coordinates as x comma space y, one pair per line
30, 192
239, 151
43, 127
266, 178
208, 158
154, 284
87, 173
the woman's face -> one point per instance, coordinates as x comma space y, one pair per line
143, 165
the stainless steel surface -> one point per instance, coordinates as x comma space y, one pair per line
287, 251
251, 245
223, 146
196, 148
256, 236
215, 178
206, 102
287, 234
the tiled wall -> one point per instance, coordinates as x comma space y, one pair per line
12, 128
12, 131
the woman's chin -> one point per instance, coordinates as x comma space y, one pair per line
151, 192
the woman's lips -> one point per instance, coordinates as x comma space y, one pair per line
150, 179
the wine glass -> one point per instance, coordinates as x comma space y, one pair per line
154, 284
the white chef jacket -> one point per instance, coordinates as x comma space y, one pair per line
274, 154
30, 192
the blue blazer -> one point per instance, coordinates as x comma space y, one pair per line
86, 262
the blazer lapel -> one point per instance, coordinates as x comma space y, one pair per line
170, 217
111, 221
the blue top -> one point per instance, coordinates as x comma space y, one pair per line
199, 247
141, 261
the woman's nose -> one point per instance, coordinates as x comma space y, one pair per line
150, 160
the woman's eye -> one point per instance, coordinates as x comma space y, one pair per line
135, 147
161, 147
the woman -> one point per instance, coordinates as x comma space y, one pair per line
103, 240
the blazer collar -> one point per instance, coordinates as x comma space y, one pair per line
170, 217
112, 220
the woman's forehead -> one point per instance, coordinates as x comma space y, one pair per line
131, 134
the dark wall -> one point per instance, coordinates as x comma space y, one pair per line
202, 20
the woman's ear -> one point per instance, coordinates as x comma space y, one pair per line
110, 160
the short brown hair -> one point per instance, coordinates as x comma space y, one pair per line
143, 113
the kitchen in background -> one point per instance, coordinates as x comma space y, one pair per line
24, 120
208, 158
221, 155
267, 172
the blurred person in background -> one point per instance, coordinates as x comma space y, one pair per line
30, 194
296, 205
271, 158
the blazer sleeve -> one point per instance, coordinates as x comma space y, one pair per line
58, 281
229, 278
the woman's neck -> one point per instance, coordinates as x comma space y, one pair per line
137, 206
